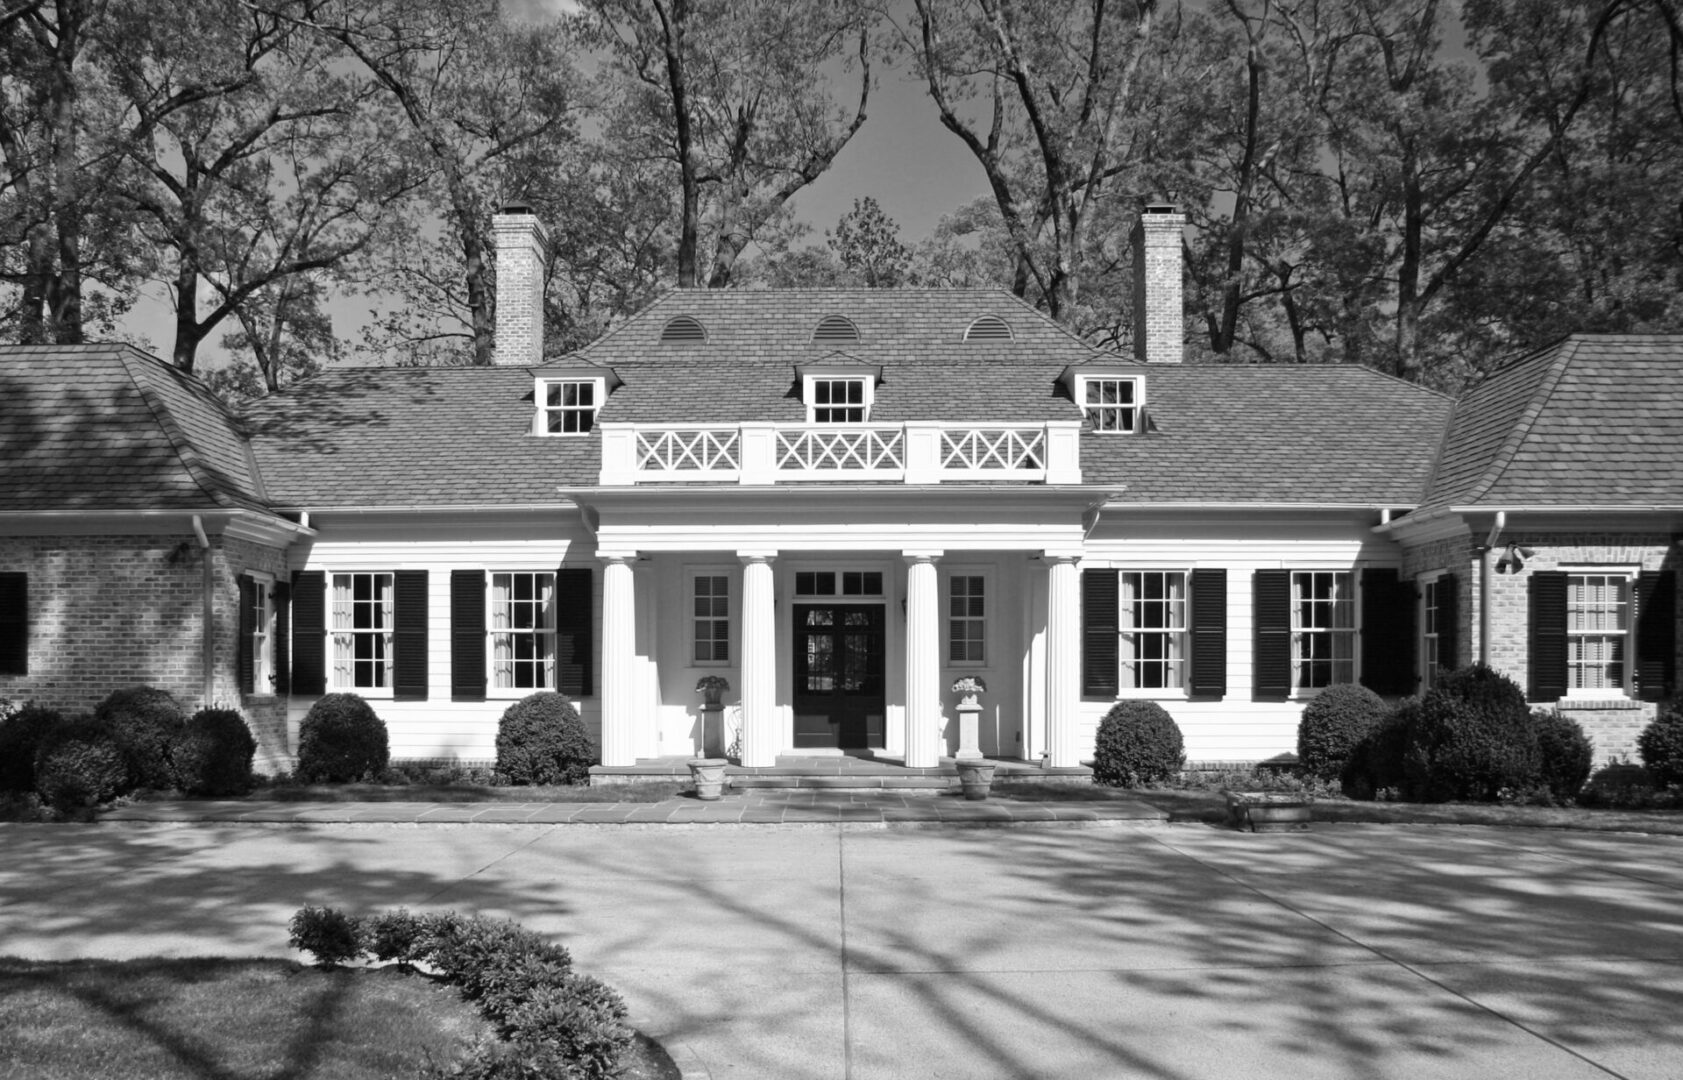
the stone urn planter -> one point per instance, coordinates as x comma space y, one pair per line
712, 689
708, 774
976, 777
1269, 811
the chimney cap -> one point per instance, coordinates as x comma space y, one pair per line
1161, 206
517, 208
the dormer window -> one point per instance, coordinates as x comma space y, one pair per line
838, 400
569, 406
1111, 403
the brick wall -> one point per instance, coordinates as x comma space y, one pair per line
1454, 555
519, 241
1159, 308
107, 612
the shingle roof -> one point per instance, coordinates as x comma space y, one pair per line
106, 427
1592, 420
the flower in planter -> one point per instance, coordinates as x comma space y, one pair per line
713, 684
969, 685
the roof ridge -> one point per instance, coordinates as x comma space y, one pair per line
1566, 348
185, 451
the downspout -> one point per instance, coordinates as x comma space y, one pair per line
1484, 587
207, 657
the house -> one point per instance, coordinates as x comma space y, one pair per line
841, 501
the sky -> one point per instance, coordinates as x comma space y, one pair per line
902, 157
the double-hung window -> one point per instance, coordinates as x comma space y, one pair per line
262, 634
1153, 630
362, 631
839, 400
967, 619
1597, 633
1323, 629
522, 630
1431, 612
569, 406
710, 608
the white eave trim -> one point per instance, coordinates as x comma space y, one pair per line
435, 508
240, 524
1528, 508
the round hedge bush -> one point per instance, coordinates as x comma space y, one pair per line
80, 763
213, 755
1567, 756
1375, 764
1333, 724
20, 741
1661, 748
341, 740
146, 722
541, 740
1471, 740
1138, 742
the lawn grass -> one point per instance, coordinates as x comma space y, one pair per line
238, 1020
654, 791
1210, 806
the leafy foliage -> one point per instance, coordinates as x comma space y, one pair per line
1375, 765
341, 740
1567, 755
541, 740
1333, 724
1661, 748
1471, 739
213, 754
1138, 743
146, 722
331, 936
20, 740
81, 764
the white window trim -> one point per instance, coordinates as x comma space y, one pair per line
809, 392
513, 693
732, 587
333, 683
1355, 630
1625, 689
1423, 667
989, 599
1137, 410
1156, 693
540, 399
263, 659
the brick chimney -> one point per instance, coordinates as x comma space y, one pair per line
521, 244
1159, 303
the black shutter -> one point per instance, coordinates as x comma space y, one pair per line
14, 623
309, 632
1656, 634
409, 636
574, 631
282, 599
1388, 641
467, 635
248, 623
1449, 622
1547, 660
1209, 633
1100, 621
1271, 614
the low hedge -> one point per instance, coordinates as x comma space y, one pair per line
1472, 739
20, 741
213, 754
550, 1020
341, 740
1661, 748
1138, 742
541, 740
146, 722
1333, 724
1567, 755
80, 764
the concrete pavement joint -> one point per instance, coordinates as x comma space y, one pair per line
1388, 958
487, 866
841, 910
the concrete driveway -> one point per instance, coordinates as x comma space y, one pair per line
787, 952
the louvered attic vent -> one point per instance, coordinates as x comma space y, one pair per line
989, 328
835, 328
684, 330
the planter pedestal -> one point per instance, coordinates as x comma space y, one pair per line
1264, 811
976, 777
969, 725
713, 729
709, 777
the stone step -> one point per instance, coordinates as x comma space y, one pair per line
841, 782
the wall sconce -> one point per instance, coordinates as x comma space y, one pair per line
1513, 559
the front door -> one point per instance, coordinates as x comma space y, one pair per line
840, 698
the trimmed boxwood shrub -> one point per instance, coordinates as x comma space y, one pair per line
541, 740
81, 764
331, 935
1567, 756
341, 740
20, 740
146, 722
1375, 763
1472, 739
1333, 724
213, 754
1138, 742
1661, 748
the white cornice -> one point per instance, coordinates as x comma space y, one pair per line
238, 524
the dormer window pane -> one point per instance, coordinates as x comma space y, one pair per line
838, 401
1111, 404
569, 407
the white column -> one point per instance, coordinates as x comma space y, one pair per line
923, 661
1063, 659
761, 732
619, 659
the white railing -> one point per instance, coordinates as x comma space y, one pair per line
918, 452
